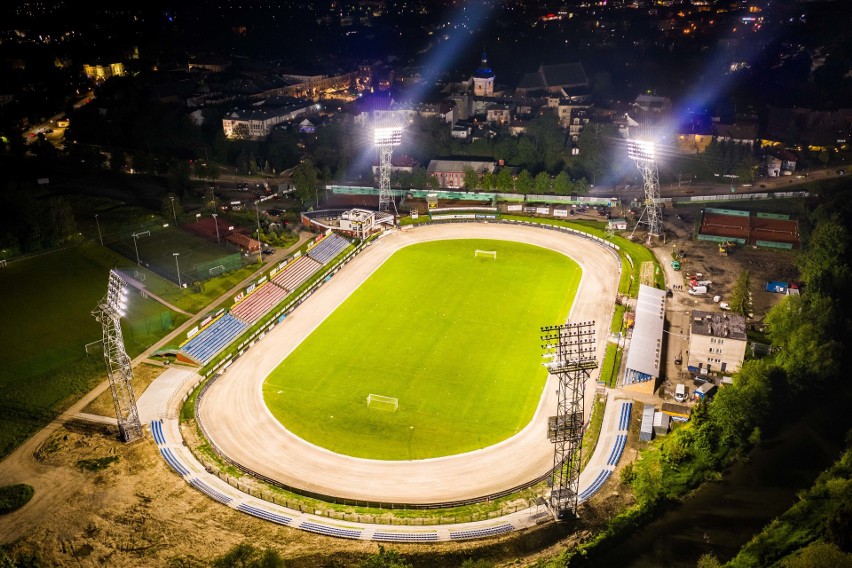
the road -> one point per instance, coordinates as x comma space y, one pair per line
238, 422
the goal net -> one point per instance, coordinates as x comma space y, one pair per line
379, 402
485, 254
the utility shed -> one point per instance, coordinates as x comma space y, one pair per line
662, 422
646, 432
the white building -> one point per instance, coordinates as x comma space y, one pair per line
644, 356
717, 342
258, 122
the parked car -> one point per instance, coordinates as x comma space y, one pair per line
268, 251
681, 393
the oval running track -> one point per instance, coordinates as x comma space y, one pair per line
238, 422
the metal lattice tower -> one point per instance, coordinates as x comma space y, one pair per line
386, 139
643, 153
109, 312
570, 350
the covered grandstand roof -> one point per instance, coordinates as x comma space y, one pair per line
644, 356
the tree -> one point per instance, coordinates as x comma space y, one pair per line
245, 555
487, 181
562, 184
62, 217
385, 559
708, 560
805, 331
306, 180
741, 296
504, 182
524, 183
818, 555
542, 183
178, 176
240, 132
471, 178
824, 264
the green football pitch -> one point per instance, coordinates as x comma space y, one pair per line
455, 339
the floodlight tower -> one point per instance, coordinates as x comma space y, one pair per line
643, 152
109, 312
386, 138
569, 351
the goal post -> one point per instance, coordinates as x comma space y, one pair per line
379, 402
478, 253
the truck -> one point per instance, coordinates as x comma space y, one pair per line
707, 390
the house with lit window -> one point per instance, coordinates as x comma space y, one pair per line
450, 173
717, 342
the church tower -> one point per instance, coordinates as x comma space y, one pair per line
483, 79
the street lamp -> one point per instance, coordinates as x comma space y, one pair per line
177, 265
135, 246
216, 222
98, 223
260, 245
174, 214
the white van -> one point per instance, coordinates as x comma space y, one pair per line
680, 392
698, 290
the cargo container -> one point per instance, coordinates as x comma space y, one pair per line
646, 431
661, 423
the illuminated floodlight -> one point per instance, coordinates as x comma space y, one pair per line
109, 312
116, 298
387, 136
643, 150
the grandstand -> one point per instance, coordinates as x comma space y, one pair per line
211, 340
328, 248
255, 305
296, 273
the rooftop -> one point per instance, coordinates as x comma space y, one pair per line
718, 324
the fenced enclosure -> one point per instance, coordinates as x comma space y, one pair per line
164, 250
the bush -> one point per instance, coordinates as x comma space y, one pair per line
13, 497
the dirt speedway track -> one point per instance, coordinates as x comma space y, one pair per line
237, 421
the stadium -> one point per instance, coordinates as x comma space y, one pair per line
236, 417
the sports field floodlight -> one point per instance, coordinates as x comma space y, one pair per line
386, 138
641, 150
570, 353
644, 153
216, 223
177, 265
116, 297
109, 312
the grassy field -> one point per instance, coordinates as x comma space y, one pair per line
455, 339
46, 315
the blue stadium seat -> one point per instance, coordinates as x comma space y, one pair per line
328, 248
214, 338
263, 514
405, 537
330, 531
479, 533
173, 462
157, 432
209, 491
